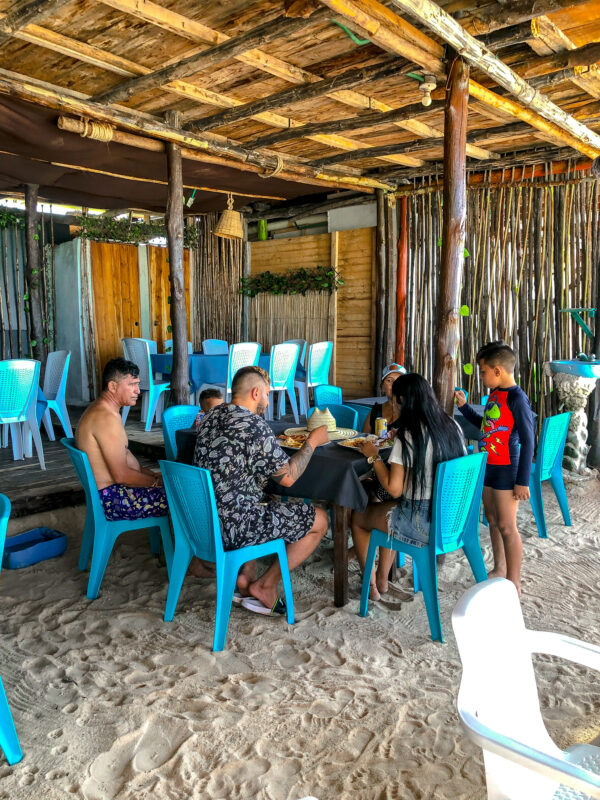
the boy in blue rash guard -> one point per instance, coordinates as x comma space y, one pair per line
507, 421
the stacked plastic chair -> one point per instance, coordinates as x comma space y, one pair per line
498, 702
9, 741
302, 345
454, 525
215, 347
55, 387
548, 467
100, 534
153, 398
197, 532
317, 371
169, 347
176, 418
19, 384
282, 371
324, 394
242, 354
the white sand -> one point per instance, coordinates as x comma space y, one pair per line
111, 702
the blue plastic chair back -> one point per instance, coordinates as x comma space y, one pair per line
193, 508
84, 472
302, 345
168, 347
4, 515
484, 399
138, 351
552, 443
215, 347
242, 354
282, 366
345, 417
19, 381
456, 500
326, 394
55, 376
319, 359
176, 418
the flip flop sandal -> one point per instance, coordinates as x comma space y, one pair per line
253, 604
237, 598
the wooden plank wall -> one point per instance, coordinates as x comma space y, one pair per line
160, 292
355, 301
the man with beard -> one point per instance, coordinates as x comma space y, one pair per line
241, 452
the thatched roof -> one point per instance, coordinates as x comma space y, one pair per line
246, 78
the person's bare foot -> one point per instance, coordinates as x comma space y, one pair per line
246, 576
266, 595
200, 569
382, 586
497, 572
374, 593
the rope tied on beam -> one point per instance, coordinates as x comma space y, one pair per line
100, 131
275, 171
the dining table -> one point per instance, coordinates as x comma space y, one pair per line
202, 368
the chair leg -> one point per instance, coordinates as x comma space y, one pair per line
181, 561
472, 550
287, 584
4, 437
366, 581
292, 398
125, 414
154, 535
226, 578
87, 542
16, 437
47, 422
167, 543
428, 585
9, 741
400, 559
537, 506
558, 484
269, 409
37, 439
100, 554
63, 414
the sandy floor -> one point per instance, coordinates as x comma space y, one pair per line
110, 702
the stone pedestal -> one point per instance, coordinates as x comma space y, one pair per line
573, 392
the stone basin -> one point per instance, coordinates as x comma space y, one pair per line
582, 369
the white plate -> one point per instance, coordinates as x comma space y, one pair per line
352, 443
334, 436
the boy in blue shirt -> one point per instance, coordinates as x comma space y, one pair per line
506, 422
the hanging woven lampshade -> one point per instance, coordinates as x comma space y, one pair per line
229, 225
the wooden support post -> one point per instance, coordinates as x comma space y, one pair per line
593, 459
391, 266
333, 301
401, 281
33, 274
380, 287
446, 333
180, 375
246, 270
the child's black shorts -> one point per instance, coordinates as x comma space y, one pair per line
500, 476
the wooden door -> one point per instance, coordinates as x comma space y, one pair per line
160, 293
116, 292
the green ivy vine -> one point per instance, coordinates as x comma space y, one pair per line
10, 218
294, 281
108, 229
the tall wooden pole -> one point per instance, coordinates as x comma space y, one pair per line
180, 375
391, 256
33, 274
380, 288
593, 459
401, 281
446, 333
246, 270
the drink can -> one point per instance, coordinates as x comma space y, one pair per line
381, 427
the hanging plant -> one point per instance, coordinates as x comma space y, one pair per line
10, 218
108, 229
294, 281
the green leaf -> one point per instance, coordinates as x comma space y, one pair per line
25, 297
36, 236
467, 254
464, 311
169, 329
45, 340
468, 369
33, 343
440, 242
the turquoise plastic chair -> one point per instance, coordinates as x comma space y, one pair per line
153, 397
460, 389
326, 394
198, 533
317, 371
362, 411
282, 369
100, 534
242, 354
19, 383
215, 347
454, 524
484, 399
548, 467
345, 417
302, 345
168, 347
176, 418
55, 387
9, 741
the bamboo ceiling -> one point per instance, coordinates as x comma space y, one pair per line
279, 88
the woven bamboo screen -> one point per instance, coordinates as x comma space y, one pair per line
215, 272
532, 250
275, 318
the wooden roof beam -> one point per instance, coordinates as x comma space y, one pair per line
263, 34
513, 13
540, 107
567, 59
27, 11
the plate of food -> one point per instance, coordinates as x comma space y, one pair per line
295, 440
357, 441
318, 418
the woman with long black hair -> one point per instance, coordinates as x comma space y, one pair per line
425, 436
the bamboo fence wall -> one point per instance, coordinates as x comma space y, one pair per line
215, 273
275, 318
532, 250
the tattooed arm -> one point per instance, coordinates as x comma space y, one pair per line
293, 469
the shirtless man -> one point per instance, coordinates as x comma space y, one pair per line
127, 490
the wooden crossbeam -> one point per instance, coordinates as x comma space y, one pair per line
513, 13
263, 34
27, 11
567, 59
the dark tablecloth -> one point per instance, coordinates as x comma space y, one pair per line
333, 473
202, 368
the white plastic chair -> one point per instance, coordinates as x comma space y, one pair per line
242, 354
55, 386
215, 347
19, 383
168, 348
498, 701
317, 371
153, 397
282, 368
302, 345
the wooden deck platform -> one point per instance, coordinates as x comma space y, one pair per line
32, 490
